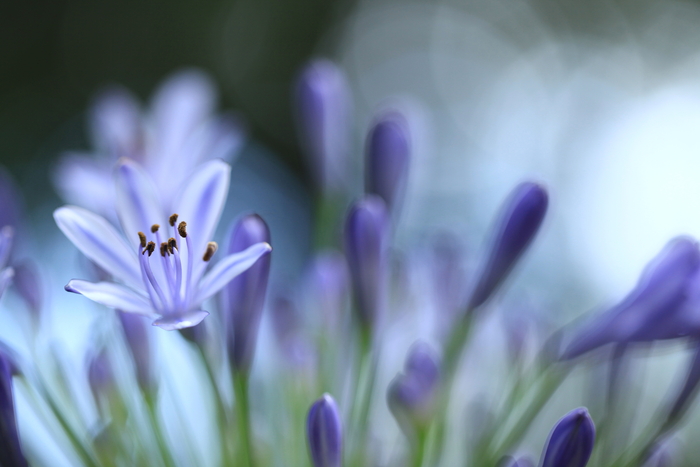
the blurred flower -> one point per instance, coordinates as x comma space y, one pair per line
323, 105
571, 441
172, 286
139, 343
100, 375
412, 394
516, 227
388, 156
326, 287
243, 298
655, 308
324, 433
287, 325
10, 448
366, 248
178, 133
521, 462
447, 275
27, 283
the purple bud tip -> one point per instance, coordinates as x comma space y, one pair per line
388, 156
244, 297
324, 433
571, 441
366, 243
521, 218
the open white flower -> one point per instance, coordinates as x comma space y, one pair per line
160, 267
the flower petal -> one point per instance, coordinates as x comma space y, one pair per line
138, 204
201, 202
83, 180
115, 120
6, 276
112, 295
228, 268
100, 242
181, 320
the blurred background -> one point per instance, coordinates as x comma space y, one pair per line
599, 100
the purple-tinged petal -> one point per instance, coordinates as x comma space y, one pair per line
7, 235
243, 297
202, 200
82, 180
322, 100
388, 154
10, 447
100, 242
28, 285
138, 202
139, 343
115, 121
366, 248
228, 268
181, 320
571, 441
516, 227
6, 276
112, 295
324, 433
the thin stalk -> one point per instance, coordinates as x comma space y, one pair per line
157, 430
221, 409
240, 388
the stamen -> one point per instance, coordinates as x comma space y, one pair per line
163, 248
150, 248
154, 228
182, 229
172, 245
211, 249
173, 220
142, 239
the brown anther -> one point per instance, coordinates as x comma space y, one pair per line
142, 239
154, 228
172, 245
150, 248
164, 248
211, 249
182, 229
173, 220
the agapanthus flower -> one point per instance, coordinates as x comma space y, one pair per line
178, 132
159, 266
661, 306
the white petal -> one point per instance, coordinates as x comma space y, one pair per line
83, 180
6, 276
112, 295
181, 320
228, 268
100, 242
202, 200
138, 204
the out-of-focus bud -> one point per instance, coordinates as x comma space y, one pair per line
516, 227
366, 246
139, 342
324, 433
448, 276
511, 462
28, 285
388, 155
287, 326
322, 100
412, 394
10, 447
571, 441
243, 298
100, 376
327, 287
655, 309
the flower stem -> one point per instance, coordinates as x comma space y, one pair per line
160, 438
240, 388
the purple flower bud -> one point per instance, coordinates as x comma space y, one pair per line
366, 246
571, 441
517, 225
412, 394
243, 298
324, 433
327, 287
10, 448
100, 375
322, 99
136, 333
656, 307
388, 158
27, 284
511, 462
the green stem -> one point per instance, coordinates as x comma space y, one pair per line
221, 410
157, 430
419, 449
240, 388
362, 400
